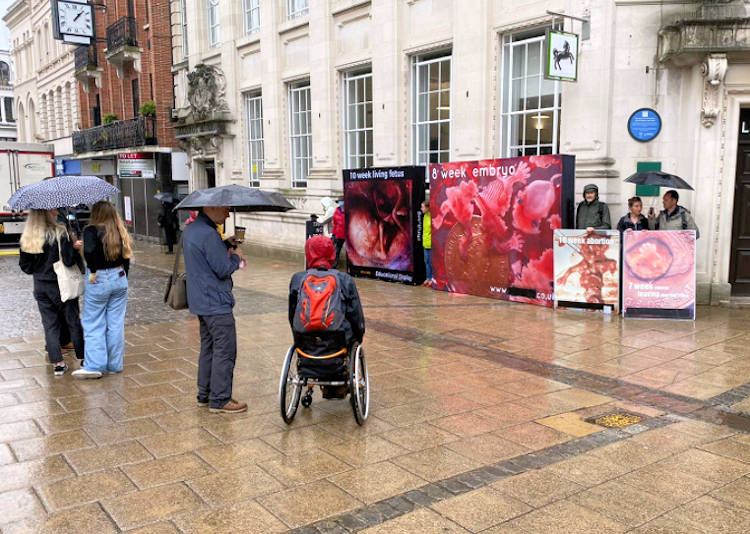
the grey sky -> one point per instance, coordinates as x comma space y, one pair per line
4, 4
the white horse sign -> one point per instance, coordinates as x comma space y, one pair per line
561, 56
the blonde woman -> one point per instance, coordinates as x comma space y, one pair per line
42, 242
107, 247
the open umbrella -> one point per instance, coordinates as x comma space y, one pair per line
658, 178
60, 192
165, 196
236, 197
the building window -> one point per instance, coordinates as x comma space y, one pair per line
431, 103
531, 103
213, 22
4, 73
296, 8
300, 133
136, 97
8, 104
252, 15
183, 21
358, 120
254, 114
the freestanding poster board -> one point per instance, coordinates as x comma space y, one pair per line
659, 274
382, 212
493, 222
587, 270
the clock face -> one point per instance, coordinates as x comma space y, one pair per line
75, 19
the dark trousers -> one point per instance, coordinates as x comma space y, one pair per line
51, 308
170, 235
64, 332
216, 360
339, 244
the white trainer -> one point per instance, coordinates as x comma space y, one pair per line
83, 373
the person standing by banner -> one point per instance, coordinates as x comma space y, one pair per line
339, 230
673, 216
427, 242
592, 214
634, 220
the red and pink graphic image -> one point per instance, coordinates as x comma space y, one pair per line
659, 274
493, 223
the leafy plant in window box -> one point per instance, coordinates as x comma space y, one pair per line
109, 118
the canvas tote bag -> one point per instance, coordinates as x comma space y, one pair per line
69, 279
176, 293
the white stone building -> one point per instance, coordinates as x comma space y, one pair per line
7, 109
315, 88
46, 95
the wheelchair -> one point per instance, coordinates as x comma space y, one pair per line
345, 369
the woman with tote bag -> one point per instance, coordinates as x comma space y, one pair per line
107, 247
48, 254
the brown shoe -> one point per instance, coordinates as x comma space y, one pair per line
69, 346
232, 406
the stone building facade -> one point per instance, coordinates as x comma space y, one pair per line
314, 87
46, 97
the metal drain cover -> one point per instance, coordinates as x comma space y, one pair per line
616, 419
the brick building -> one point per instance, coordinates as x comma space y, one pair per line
128, 66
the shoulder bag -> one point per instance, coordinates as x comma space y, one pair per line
69, 279
176, 292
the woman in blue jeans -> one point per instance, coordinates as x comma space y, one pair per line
107, 247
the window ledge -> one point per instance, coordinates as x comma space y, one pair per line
353, 5
292, 24
249, 39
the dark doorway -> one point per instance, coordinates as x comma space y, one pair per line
739, 270
210, 174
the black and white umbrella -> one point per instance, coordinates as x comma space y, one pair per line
237, 198
61, 192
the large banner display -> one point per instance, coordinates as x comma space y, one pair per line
382, 212
587, 269
493, 223
659, 274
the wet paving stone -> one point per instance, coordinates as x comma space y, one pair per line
461, 392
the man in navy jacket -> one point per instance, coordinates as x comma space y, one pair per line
209, 263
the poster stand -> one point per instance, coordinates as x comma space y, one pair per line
381, 206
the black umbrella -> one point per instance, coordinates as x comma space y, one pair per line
165, 196
658, 178
236, 197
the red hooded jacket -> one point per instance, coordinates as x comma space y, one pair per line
339, 224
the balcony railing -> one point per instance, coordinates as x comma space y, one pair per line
119, 134
85, 57
121, 33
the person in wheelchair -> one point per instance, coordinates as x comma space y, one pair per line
325, 314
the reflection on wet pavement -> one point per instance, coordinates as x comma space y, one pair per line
482, 421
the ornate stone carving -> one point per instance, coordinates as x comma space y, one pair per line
206, 91
714, 68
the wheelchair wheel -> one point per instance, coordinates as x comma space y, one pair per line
290, 387
359, 385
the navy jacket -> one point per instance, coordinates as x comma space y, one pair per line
209, 268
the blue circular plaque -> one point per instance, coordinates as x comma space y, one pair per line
644, 124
